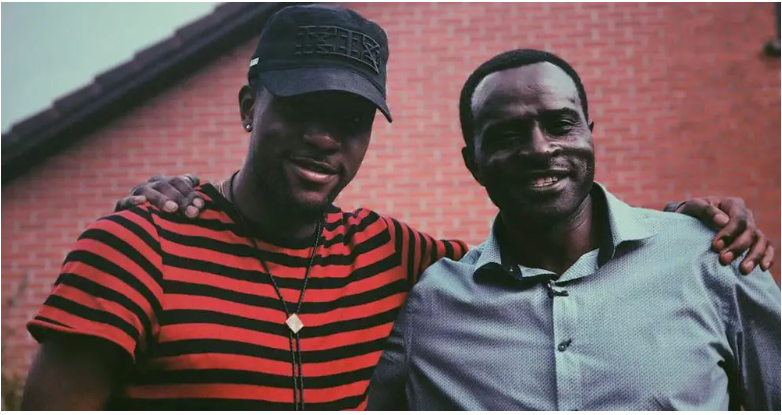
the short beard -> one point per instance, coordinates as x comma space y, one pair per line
286, 206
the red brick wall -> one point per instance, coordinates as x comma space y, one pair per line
684, 105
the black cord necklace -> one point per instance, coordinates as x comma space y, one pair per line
293, 321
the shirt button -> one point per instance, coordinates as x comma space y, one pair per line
564, 345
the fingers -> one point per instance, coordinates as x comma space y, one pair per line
176, 193
740, 220
191, 204
161, 195
737, 247
128, 202
706, 212
761, 252
194, 180
768, 258
755, 255
737, 231
159, 178
169, 194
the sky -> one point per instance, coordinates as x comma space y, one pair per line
51, 49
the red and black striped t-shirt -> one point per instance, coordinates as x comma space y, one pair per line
190, 303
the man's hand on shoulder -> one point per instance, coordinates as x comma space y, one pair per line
167, 193
737, 231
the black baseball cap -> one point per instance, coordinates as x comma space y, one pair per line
319, 47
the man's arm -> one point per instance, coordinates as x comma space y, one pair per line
419, 250
74, 373
736, 224
387, 388
100, 315
754, 330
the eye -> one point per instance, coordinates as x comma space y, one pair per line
506, 135
499, 140
560, 127
351, 122
358, 119
291, 109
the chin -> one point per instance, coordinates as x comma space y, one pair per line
303, 200
553, 214
311, 204
540, 211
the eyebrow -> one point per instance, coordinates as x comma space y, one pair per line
560, 113
513, 121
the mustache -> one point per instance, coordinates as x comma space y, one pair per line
536, 164
571, 159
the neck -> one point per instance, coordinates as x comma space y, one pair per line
266, 213
553, 246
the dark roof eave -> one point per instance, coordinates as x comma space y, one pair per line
70, 118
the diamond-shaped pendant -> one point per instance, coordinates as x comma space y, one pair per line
294, 323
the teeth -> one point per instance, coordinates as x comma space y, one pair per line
544, 181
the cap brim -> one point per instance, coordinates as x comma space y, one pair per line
290, 82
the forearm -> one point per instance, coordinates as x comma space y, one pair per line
758, 341
72, 375
387, 388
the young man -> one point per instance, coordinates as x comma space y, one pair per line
272, 298
576, 301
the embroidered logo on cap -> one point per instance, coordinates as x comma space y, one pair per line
334, 40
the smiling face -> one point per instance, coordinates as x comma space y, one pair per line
305, 149
532, 145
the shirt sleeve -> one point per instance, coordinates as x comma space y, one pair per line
419, 250
109, 285
754, 335
387, 387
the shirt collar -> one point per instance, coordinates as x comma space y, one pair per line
491, 254
624, 223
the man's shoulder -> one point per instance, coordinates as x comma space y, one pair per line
355, 220
140, 215
362, 212
688, 242
356, 213
364, 216
681, 238
670, 227
135, 225
662, 226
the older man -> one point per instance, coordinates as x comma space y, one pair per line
576, 301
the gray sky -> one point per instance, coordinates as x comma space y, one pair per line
51, 49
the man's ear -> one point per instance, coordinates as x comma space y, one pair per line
472, 166
246, 105
591, 126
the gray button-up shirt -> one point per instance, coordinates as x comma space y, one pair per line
649, 321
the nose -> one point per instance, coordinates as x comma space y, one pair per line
539, 146
319, 136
